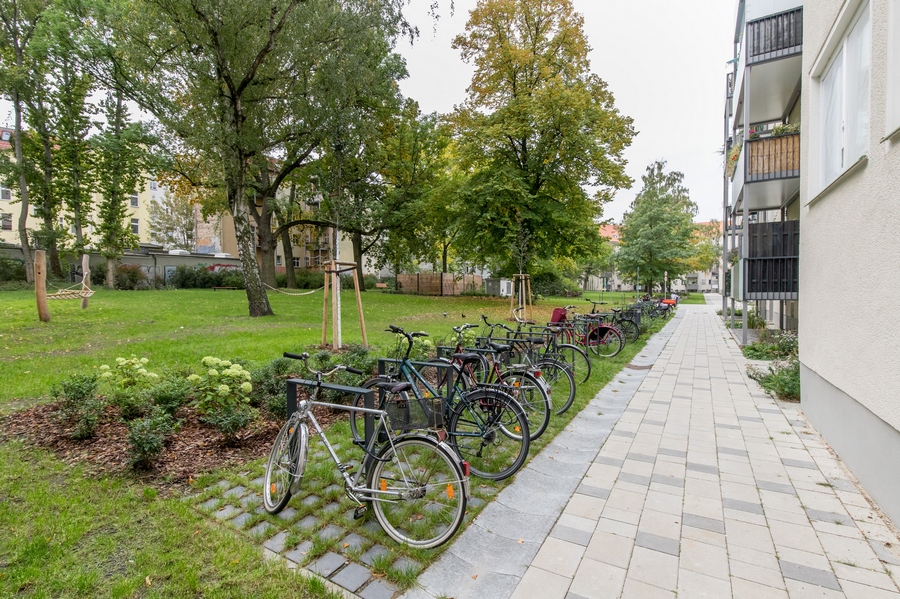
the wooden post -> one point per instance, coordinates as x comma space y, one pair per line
335, 290
362, 320
325, 308
85, 278
40, 284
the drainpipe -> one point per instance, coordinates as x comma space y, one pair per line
745, 220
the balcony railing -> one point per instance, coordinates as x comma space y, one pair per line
729, 85
775, 36
776, 157
773, 264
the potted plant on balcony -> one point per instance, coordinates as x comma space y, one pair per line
786, 129
731, 160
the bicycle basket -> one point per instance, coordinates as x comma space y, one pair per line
412, 413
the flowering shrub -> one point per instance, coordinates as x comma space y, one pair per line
127, 384
79, 404
222, 385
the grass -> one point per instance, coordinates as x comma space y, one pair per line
692, 298
113, 535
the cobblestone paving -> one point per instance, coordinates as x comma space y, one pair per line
705, 487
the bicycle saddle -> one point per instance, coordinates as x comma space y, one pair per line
500, 348
467, 357
392, 387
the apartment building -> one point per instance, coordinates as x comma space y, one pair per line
850, 182
762, 142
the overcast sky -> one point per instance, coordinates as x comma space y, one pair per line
664, 61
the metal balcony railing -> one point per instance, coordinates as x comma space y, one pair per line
775, 36
773, 263
729, 85
776, 157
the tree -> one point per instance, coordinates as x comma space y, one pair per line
251, 84
19, 20
536, 128
123, 158
706, 252
172, 222
656, 234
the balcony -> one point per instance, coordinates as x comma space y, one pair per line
776, 36
773, 265
776, 157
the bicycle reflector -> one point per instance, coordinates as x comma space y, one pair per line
450, 491
465, 468
537, 374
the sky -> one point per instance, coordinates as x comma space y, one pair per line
664, 61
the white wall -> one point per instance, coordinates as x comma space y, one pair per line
849, 255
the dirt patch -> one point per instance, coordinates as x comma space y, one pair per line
193, 450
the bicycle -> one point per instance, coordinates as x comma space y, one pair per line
417, 486
589, 331
486, 427
576, 358
629, 329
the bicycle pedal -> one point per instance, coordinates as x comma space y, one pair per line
360, 511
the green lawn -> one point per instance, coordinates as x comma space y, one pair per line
693, 298
83, 536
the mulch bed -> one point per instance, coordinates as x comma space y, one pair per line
193, 450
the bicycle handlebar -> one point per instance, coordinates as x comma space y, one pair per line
320, 373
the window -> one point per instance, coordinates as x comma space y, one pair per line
277, 260
296, 262
153, 185
6, 222
307, 262
135, 226
134, 200
5, 193
893, 68
845, 100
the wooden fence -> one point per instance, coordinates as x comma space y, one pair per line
428, 283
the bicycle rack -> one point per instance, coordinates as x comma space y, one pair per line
368, 399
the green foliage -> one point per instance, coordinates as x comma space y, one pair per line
200, 277
172, 222
173, 392
79, 404
355, 356
11, 270
656, 234
773, 345
147, 438
130, 277
230, 419
222, 385
781, 378
269, 387
552, 283
536, 129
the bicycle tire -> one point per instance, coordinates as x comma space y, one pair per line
430, 501
607, 341
286, 464
630, 329
533, 398
492, 422
562, 384
578, 359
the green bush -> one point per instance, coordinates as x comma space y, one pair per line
781, 378
355, 356
132, 403
79, 404
269, 387
552, 283
230, 419
773, 345
200, 277
147, 438
11, 269
131, 276
171, 394
369, 281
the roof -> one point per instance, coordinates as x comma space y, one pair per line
611, 232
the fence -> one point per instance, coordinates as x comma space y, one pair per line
428, 283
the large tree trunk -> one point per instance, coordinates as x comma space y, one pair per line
257, 300
49, 216
267, 245
288, 259
111, 273
358, 258
23, 190
445, 251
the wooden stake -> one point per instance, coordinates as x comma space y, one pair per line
325, 309
362, 320
335, 290
85, 278
40, 284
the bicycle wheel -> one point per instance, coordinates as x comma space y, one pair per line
287, 461
630, 329
607, 341
533, 398
489, 430
562, 384
357, 419
577, 359
426, 492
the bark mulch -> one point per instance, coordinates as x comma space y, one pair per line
193, 449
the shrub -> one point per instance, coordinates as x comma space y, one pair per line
200, 277
11, 269
131, 276
369, 281
147, 437
356, 356
223, 385
132, 403
773, 345
171, 394
230, 419
781, 378
552, 283
79, 404
269, 387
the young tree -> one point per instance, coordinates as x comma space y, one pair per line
536, 128
122, 157
173, 222
655, 236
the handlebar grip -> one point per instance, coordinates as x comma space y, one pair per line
419, 334
395, 329
302, 356
353, 370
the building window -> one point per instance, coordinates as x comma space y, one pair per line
307, 262
134, 200
153, 185
845, 100
893, 68
6, 222
296, 262
277, 260
5, 193
135, 226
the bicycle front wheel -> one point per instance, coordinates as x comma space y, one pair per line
577, 359
630, 329
530, 394
559, 377
422, 499
606, 341
489, 429
287, 461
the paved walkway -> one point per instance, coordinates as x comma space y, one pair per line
685, 478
